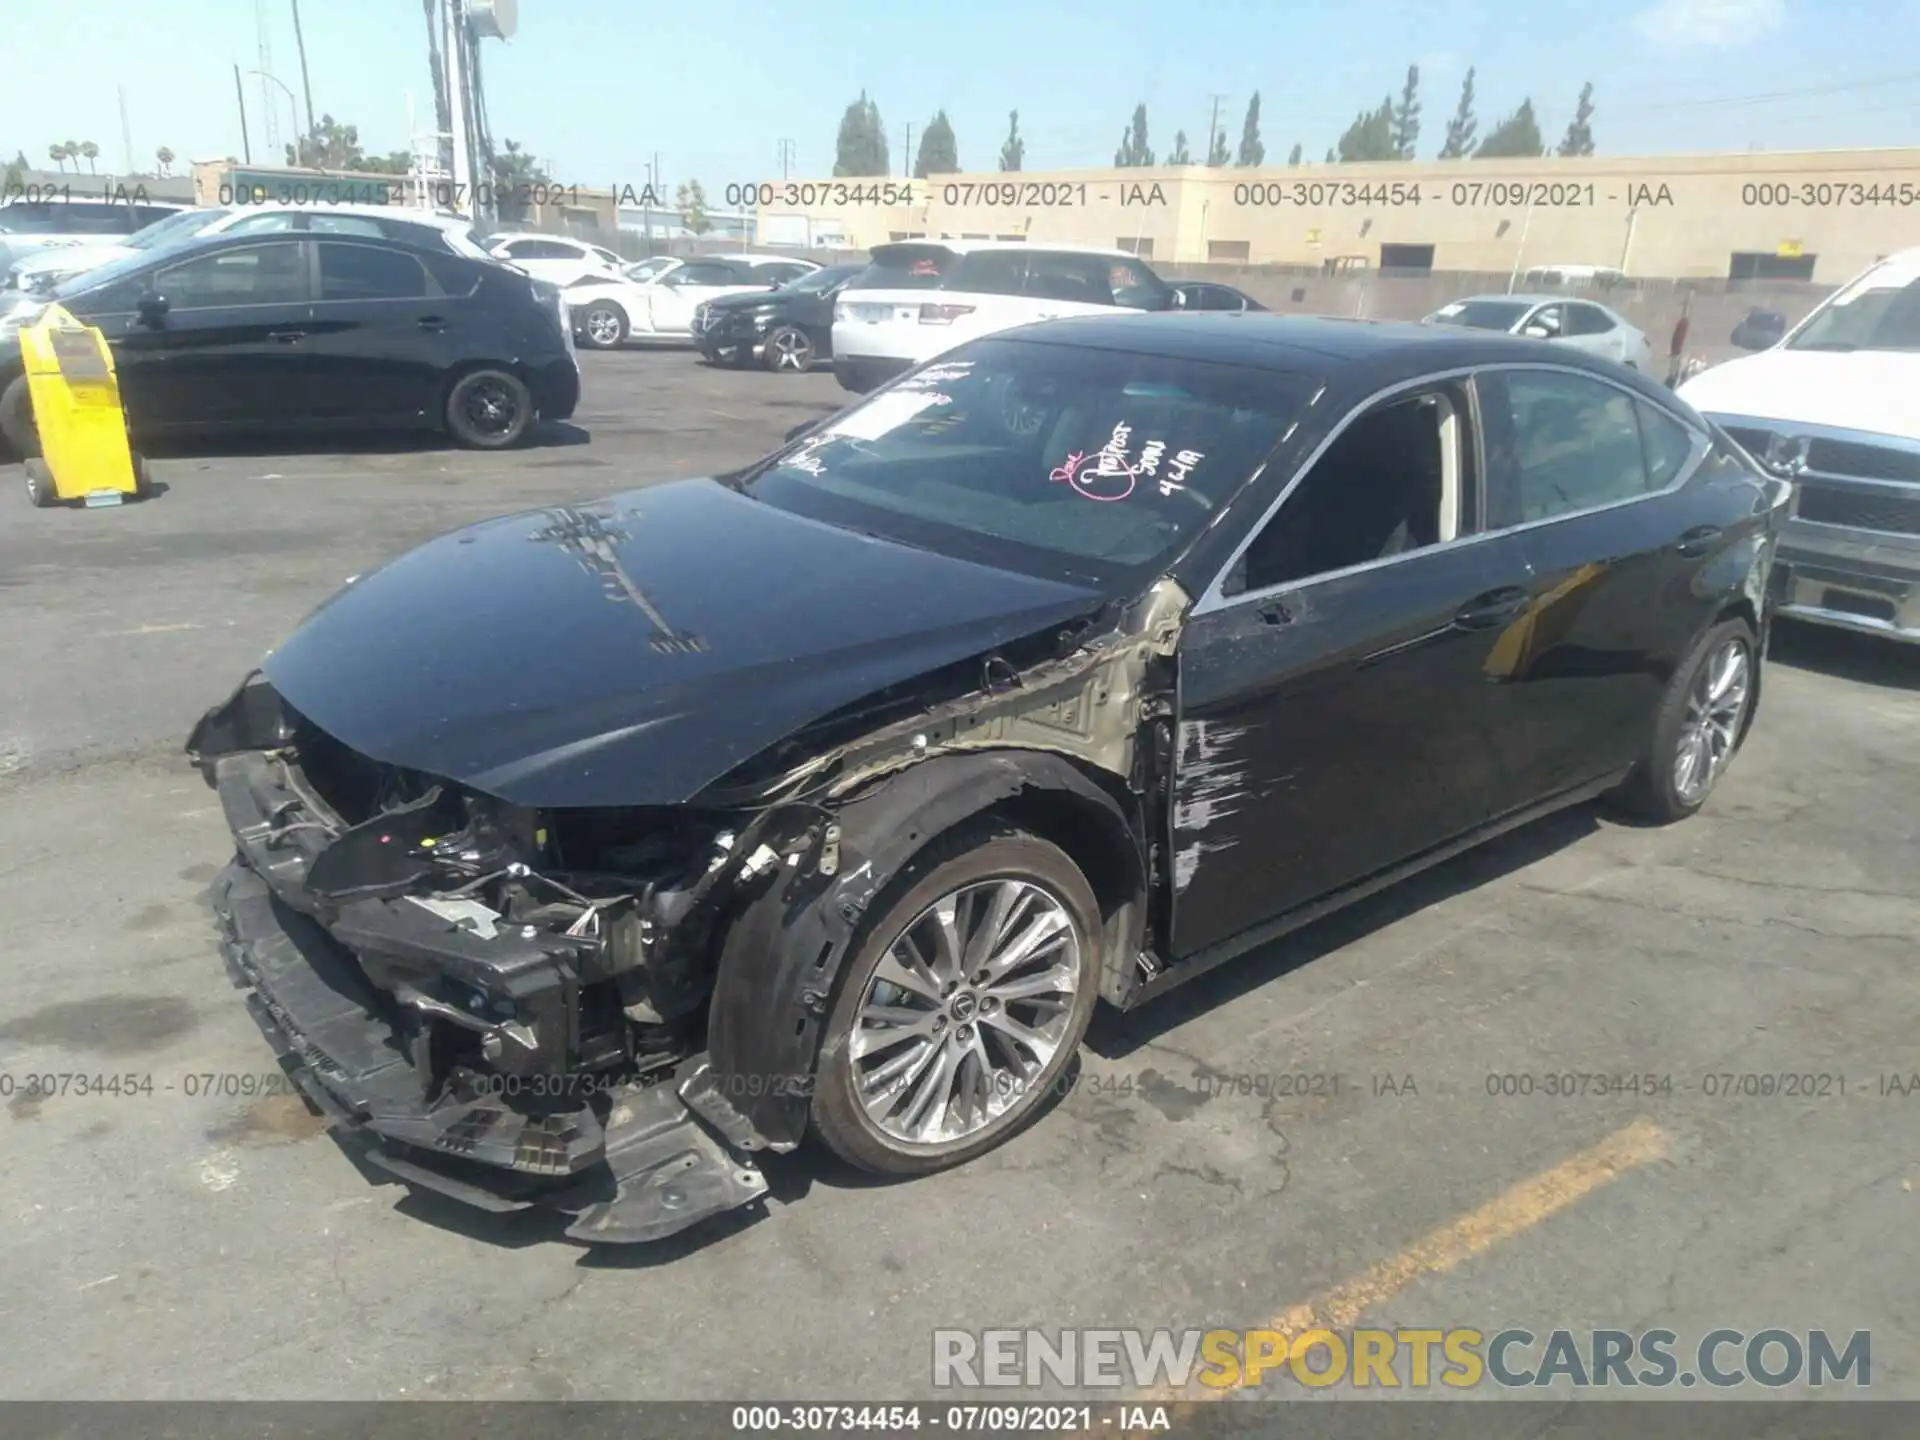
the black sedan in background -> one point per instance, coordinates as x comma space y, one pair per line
585, 854
1211, 295
786, 330
292, 331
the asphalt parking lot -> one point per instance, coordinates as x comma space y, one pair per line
176, 1244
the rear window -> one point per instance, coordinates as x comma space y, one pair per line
1054, 460
1481, 314
907, 267
69, 217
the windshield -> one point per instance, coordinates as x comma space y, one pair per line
177, 227
647, 269
817, 282
1878, 311
101, 275
1055, 460
1481, 314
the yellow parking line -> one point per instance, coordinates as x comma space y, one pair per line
1511, 1213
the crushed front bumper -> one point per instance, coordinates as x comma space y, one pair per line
629, 1161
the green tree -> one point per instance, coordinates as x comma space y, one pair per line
1293, 155
1252, 149
1579, 136
1460, 129
16, 175
92, 152
1134, 152
1517, 135
1329, 155
1013, 150
861, 147
515, 172
58, 154
1370, 136
1179, 155
1406, 116
328, 146
165, 157
690, 199
939, 152
1217, 153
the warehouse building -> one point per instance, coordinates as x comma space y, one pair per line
1806, 215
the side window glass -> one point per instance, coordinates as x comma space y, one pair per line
1546, 323
1377, 491
363, 272
276, 223
256, 275
1591, 320
1136, 287
1558, 444
1667, 442
345, 225
990, 272
1074, 278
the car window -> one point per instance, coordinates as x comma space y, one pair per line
1135, 287
145, 215
1378, 490
273, 273
1588, 320
1558, 444
173, 228
68, 217
1668, 445
541, 250
1078, 278
907, 267
1550, 318
705, 272
456, 277
1480, 314
648, 269
990, 272
780, 274
345, 225
1048, 459
1878, 311
274, 223
816, 282
606, 255
369, 272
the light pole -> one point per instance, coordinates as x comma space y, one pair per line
293, 107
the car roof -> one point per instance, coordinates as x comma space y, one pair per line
440, 219
759, 259
967, 247
505, 236
199, 244
1321, 347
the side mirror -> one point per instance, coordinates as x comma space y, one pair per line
805, 427
152, 310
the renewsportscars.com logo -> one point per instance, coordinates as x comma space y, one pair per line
1458, 1359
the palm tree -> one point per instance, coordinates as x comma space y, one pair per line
165, 157
92, 152
58, 154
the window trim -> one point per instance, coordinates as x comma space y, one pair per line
317, 281
1213, 598
308, 259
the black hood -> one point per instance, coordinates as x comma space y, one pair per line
633, 650
753, 299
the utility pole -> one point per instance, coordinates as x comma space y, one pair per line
126, 131
240, 94
1213, 125
786, 159
306, 87
906, 160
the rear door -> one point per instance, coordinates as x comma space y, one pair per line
232, 348
558, 261
1590, 479
379, 334
1335, 716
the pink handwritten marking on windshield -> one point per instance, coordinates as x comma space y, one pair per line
1070, 473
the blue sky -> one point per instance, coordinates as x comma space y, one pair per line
595, 87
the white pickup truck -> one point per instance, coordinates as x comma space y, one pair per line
1835, 407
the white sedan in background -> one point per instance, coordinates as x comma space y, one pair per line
553, 258
1580, 323
658, 297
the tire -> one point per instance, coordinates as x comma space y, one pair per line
17, 424
1656, 791
489, 409
603, 326
976, 864
142, 479
789, 351
40, 491
741, 356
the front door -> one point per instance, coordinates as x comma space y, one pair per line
231, 347
1335, 715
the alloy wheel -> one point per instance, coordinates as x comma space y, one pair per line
965, 1011
491, 407
789, 349
603, 327
1716, 707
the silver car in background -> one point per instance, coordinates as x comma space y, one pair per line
1583, 324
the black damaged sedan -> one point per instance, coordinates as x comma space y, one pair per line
586, 854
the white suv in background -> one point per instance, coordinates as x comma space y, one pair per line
663, 295
921, 297
553, 258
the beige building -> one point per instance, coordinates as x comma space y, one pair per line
1803, 215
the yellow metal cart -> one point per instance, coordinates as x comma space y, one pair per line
84, 454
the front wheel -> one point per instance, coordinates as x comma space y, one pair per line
1700, 724
489, 409
17, 424
963, 1005
603, 326
789, 351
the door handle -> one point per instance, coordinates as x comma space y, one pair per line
1495, 607
431, 322
1274, 613
286, 337
1698, 541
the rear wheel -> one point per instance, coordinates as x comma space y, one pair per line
1699, 726
40, 490
789, 351
142, 480
963, 1006
489, 409
17, 425
603, 326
